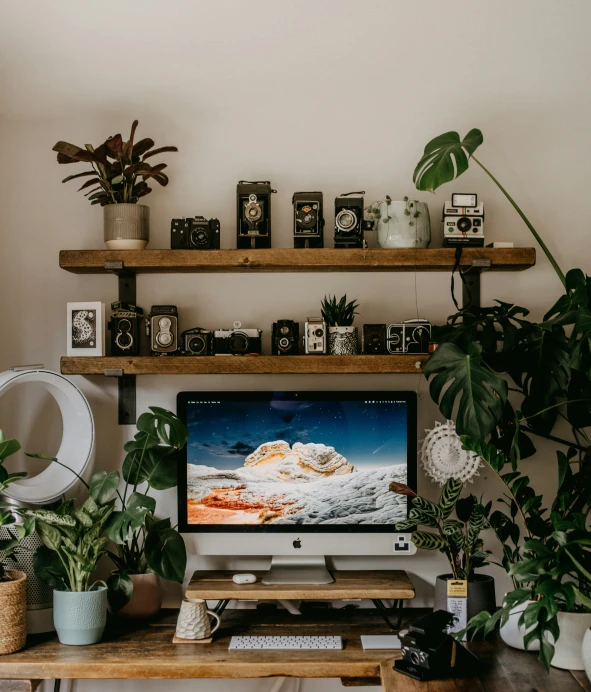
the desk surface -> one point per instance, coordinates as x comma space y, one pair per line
147, 652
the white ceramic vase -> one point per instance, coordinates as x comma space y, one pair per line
586, 653
193, 622
399, 229
512, 634
568, 650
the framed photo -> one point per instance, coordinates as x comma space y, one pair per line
86, 329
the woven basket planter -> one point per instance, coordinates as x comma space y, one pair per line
13, 612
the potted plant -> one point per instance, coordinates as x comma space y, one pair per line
457, 538
147, 548
404, 224
482, 353
73, 543
119, 177
13, 593
339, 316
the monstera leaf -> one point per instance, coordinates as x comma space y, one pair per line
445, 158
462, 376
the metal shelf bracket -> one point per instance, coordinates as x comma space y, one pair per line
471, 282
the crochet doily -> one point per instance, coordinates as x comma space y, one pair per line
443, 458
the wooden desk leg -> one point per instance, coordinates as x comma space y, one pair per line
19, 685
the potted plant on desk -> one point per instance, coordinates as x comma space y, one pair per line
118, 178
13, 594
339, 316
146, 548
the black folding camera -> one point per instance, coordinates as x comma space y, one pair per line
196, 342
237, 341
162, 326
285, 338
349, 226
308, 219
374, 339
254, 214
124, 328
195, 234
411, 336
430, 653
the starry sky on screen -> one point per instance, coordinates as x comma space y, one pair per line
369, 435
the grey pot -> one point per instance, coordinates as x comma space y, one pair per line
481, 594
127, 226
342, 341
80, 616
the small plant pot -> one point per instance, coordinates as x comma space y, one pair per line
568, 650
512, 634
481, 594
404, 230
13, 612
80, 616
342, 341
127, 226
146, 599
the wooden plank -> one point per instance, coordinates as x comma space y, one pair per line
348, 584
19, 685
292, 260
244, 365
581, 677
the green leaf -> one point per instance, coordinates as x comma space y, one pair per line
463, 377
419, 517
158, 468
50, 536
166, 554
449, 496
120, 590
49, 569
406, 525
428, 541
103, 486
49, 517
445, 158
427, 507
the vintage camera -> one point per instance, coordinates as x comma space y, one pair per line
196, 342
308, 219
195, 234
285, 338
349, 226
411, 336
315, 336
374, 339
430, 653
463, 221
124, 328
237, 341
254, 214
162, 326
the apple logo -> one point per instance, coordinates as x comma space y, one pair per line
297, 543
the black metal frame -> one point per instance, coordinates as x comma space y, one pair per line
397, 610
471, 283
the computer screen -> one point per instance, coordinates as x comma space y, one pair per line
317, 461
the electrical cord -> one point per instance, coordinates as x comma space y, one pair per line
461, 273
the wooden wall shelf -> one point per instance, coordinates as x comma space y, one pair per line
292, 260
243, 365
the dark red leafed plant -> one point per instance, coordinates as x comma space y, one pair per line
119, 169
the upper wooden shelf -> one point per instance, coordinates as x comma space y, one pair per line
292, 260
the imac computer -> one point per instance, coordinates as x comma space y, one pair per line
297, 476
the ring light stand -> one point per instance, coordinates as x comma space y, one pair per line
75, 451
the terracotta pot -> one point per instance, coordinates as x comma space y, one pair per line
127, 226
13, 612
146, 599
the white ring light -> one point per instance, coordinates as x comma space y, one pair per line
77, 445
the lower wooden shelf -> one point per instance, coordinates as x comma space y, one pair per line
244, 365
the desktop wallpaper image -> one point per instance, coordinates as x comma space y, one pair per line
295, 461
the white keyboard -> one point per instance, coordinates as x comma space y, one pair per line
285, 643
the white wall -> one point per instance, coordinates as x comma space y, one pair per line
323, 95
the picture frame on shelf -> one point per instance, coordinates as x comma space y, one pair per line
86, 329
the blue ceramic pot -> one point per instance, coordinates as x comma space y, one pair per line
80, 616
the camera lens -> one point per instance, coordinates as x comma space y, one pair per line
319, 332
464, 224
284, 330
238, 342
374, 339
164, 339
197, 344
199, 237
124, 340
283, 343
415, 658
346, 220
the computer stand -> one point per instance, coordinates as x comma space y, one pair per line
292, 569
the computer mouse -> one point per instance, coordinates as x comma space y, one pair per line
244, 579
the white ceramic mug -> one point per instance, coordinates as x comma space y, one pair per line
193, 622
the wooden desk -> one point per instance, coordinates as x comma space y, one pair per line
147, 652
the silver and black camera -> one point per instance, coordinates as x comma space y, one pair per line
374, 339
196, 342
124, 328
162, 326
315, 336
195, 234
254, 214
349, 226
463, 221
237, 341
411, 336
308, 219
285, 338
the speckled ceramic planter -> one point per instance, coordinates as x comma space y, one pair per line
80, 617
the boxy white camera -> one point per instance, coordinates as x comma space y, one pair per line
463, 221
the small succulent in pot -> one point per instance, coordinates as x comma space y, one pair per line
339, 316
120, 169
